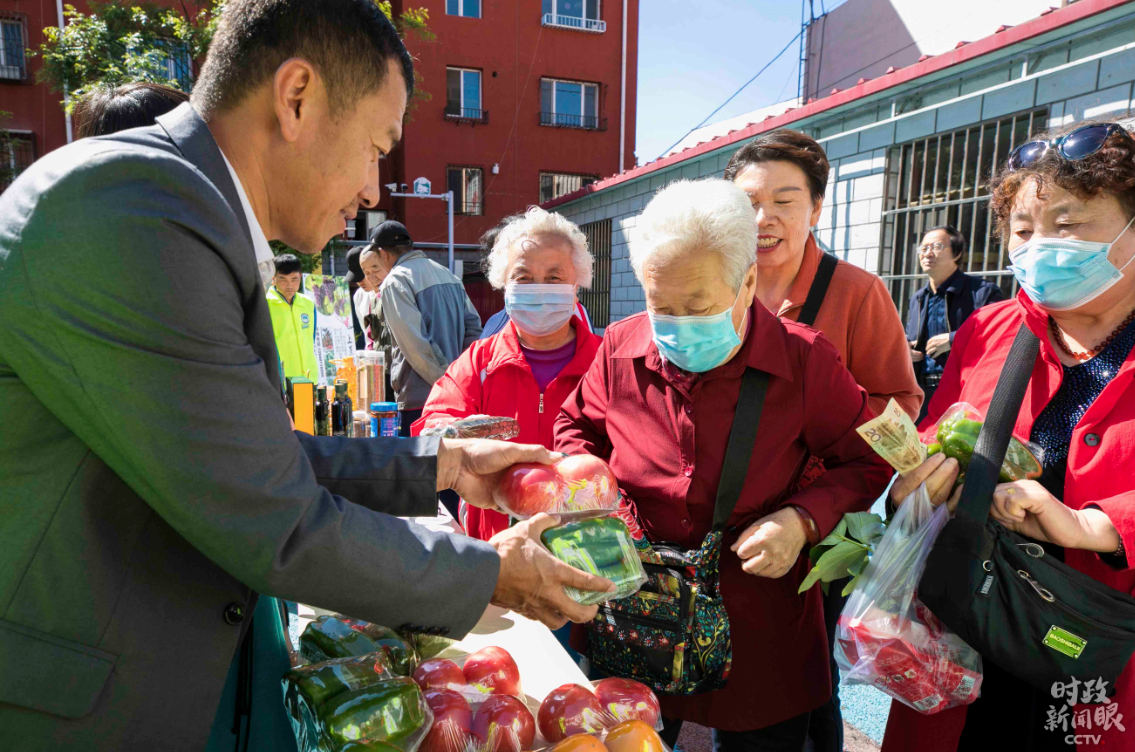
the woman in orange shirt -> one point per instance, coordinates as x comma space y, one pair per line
785, 174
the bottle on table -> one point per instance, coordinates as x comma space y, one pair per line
322, 412
341, 409
384, 418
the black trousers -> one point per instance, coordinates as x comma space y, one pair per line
786, 736
825, 729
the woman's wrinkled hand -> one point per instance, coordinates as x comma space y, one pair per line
1027, 508
939, 473
770, 546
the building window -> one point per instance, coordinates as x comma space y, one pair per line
597, 300
943, 180
556, 184
582, 15
179, 65
17, 152
467, 184
463, 95
467, 8
13, 67
570, 104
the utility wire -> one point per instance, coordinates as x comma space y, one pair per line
734, 95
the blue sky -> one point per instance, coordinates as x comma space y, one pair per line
693, 55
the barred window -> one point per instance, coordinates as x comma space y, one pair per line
597, 300
943, 179
467, 184
13, 40
17, 152
556, 184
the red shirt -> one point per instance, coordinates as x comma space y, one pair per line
493, 377
664, 432
1099, 474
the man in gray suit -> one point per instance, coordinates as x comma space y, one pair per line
150, 485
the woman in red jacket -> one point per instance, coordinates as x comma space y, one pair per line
529, 368
1066, 209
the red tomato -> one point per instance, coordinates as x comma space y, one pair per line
453, 722
504, 724
628, 700
492, 670
573, 484
580, 743
439, 673
634, 736
567, 710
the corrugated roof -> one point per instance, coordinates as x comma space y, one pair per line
1005, 36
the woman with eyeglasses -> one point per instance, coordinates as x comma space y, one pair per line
1065, 206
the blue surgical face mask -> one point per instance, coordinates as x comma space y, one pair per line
1061, 274
696, 343
539, 310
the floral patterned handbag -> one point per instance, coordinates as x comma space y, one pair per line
673, 634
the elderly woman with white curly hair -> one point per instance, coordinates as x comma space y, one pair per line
527, 370
659, 404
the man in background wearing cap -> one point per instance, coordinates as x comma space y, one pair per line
430, 318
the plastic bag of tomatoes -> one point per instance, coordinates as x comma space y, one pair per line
620, 715
573, 488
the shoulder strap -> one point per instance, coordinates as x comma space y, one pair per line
742, 437
993, 441
818, 290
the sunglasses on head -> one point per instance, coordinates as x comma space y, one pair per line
1080, 143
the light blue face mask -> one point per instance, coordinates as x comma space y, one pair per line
1061, 274
696, 343
539, 310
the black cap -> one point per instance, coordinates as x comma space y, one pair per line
390, 234
354, 269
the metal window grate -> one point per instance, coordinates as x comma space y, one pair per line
13, 66
566, 120
597, 300
556, 184
17, 152
595, 26
458, 113
943, 179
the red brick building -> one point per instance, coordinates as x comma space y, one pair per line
530, 99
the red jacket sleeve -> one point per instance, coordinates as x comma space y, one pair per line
834, 405
1120, 509
581, 427
878, 354
457, 394
950, 387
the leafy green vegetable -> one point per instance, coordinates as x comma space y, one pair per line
845, 552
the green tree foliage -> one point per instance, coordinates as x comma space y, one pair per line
123, 42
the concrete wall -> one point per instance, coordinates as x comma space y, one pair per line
1077, 78
862, 38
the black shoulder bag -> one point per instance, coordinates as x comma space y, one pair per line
673, 634
1031, 614
818, 290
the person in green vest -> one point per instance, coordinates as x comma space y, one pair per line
293, 319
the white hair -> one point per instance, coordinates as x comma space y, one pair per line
534, 223
698, 217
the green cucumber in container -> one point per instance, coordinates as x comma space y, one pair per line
601, 546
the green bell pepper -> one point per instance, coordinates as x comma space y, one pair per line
601, 546
957, 437
331, 637
393, 711
308, 688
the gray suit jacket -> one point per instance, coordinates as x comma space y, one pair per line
149, 482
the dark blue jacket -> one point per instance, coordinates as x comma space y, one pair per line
964, 294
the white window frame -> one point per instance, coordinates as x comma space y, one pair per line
582, 103
461, 205
11, 72
595, 25
461, 9
461, 106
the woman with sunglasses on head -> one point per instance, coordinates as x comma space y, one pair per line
1065, 206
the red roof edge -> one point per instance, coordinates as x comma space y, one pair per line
1049, 20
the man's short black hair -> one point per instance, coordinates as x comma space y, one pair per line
287, 263
958, 242
349, 41
107, 109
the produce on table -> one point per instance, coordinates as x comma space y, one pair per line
504, 724
427, 646
393, 711
453, 722
341, 637
367, 747
626, 700
957, 436
580, 743
600, 546
472, 427
492, 670
308, 688
634, 736
568, 710
439, 673
581, 483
